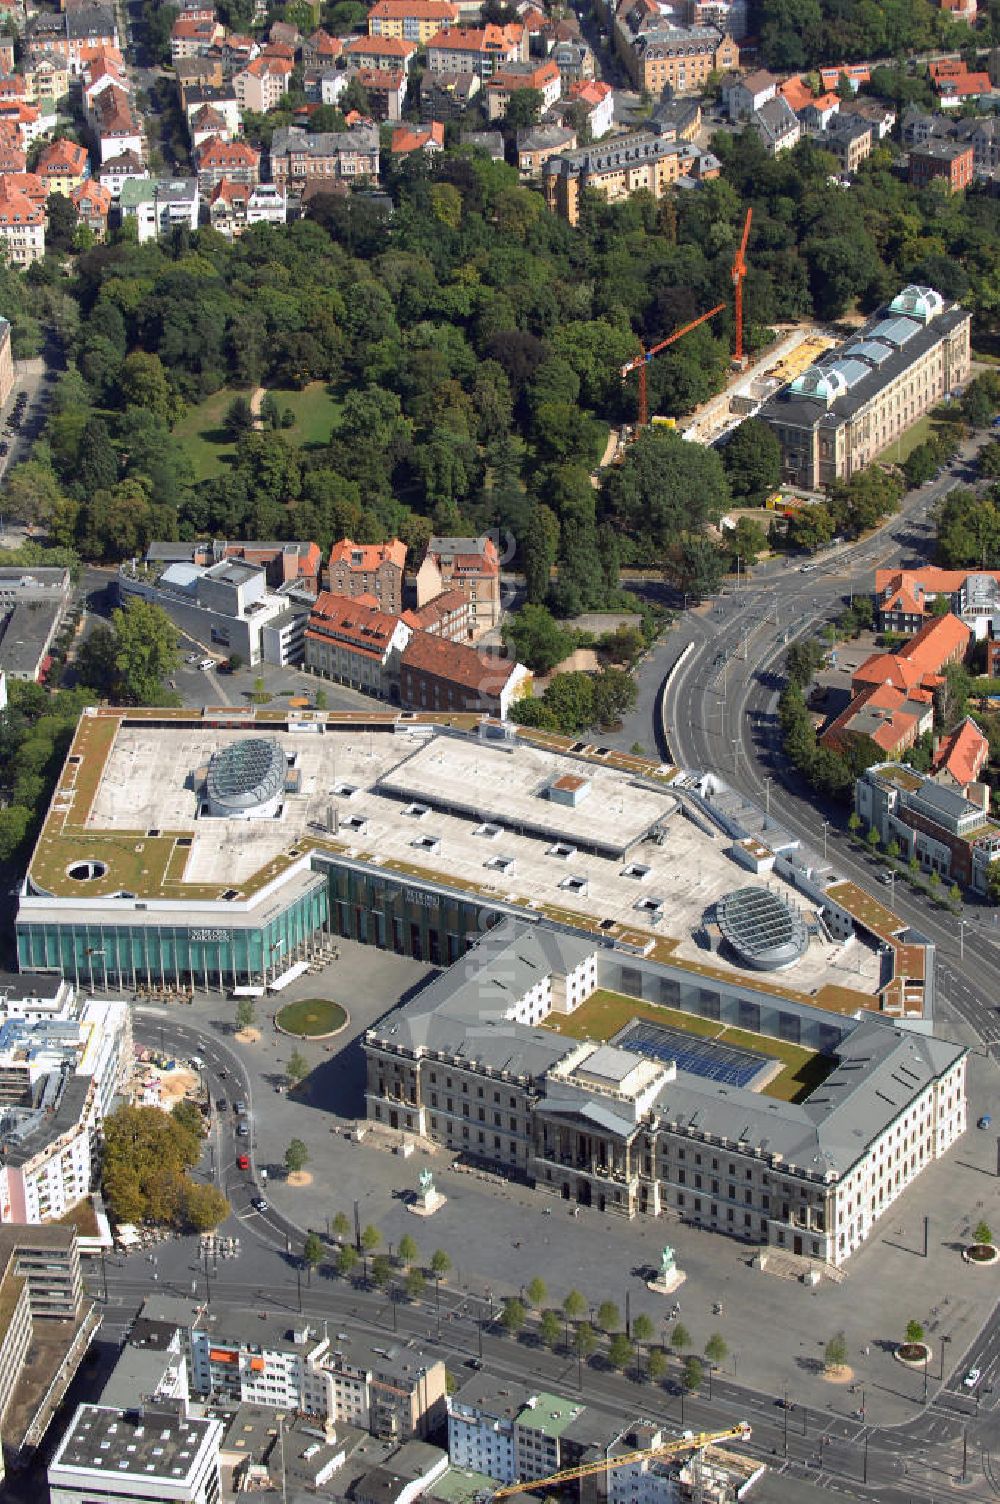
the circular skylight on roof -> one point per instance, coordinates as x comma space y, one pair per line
246, 778
764, 931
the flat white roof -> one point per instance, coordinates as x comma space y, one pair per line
146, 785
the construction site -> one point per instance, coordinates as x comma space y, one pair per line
750, 383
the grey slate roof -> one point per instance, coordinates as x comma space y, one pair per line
881, 1069
464, 1011
788, 407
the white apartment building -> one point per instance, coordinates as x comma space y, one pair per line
239, 1357
58, 1081
156, 1453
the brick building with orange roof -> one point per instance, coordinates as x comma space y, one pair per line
375, 569
353, 642
919, 663
960, 757
438, 675
890, 719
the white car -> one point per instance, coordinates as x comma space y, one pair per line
972, 1378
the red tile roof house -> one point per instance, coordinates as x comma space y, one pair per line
919, 663
960, 757
92, 202
354, 643
410, 138
216, 159
368, 569
891, 719
439, 675
448, 615
391, 53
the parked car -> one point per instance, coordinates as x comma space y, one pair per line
259, 1204
971, 1378
985, 1121
243, 1162
243, 1131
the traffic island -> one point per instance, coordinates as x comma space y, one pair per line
913, 1354
312, 1018
981, 1253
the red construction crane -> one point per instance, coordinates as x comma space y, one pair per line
739, 272
640, 362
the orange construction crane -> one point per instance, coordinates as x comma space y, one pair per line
739, 272
689, 1442
640, 362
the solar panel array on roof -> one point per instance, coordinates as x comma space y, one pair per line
896, 331
869, 349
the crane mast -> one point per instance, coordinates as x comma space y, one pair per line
738, 273
640, 362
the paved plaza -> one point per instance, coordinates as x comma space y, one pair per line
499, 1236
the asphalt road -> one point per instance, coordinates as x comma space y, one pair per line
720, 713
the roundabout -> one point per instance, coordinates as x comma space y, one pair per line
312, 1018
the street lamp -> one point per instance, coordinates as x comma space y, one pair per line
962, 924
768, 780
826, 827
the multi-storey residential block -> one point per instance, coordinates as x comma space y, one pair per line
263, 83
377, 51
649, 161
237, 161
950, 161
543, 77
159, 206
92, 202
22, 225
62, 166
298, 157
234, 1356
411, 20
841, 413
482, 50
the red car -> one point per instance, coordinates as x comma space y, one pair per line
243, 1162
